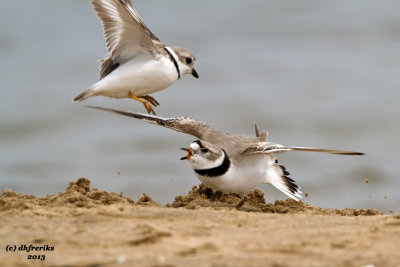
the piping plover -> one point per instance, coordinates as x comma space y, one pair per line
137, 63
235, 164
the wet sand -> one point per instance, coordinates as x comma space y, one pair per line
92, 227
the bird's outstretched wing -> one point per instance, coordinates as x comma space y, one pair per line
134, 13
125, 33
268, 148
184, 125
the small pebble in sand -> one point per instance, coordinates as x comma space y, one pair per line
391, 211
306, 194
118, 172
385, 197
366, 181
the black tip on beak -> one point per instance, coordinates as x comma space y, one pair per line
195, 74
189, 155
184, 149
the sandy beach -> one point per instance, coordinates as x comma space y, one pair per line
86, 226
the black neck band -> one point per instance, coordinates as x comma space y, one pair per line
216, 171
174, 61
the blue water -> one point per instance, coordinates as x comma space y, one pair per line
313, 73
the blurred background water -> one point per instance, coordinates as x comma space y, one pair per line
312, 73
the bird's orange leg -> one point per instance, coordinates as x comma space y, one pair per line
146, 104
150, 99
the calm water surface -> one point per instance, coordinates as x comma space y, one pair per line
313, 73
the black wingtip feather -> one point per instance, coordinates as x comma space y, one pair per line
352, 154
283, 168
289, 182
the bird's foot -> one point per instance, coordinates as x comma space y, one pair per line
146, 104
150, 99
149, 108
216, 196
242, 200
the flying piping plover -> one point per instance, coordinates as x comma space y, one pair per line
137, 63
235, 164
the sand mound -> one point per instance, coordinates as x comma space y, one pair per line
77, 194
204, 196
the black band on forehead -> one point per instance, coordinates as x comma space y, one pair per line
199, 143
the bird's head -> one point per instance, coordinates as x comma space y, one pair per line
186, 61
204, 155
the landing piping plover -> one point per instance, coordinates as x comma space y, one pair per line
137, 63
235, 164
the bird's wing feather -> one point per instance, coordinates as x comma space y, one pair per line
125, 33
134, 13
184, 125
268, 148
278, 176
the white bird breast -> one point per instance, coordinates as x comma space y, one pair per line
139, 77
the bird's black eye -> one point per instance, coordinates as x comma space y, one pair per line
204, 150
188, 60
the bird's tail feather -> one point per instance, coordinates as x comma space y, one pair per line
84, 95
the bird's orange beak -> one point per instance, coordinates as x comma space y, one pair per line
195, 74
189, 155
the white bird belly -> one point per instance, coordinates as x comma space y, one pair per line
139, 78
240, 178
